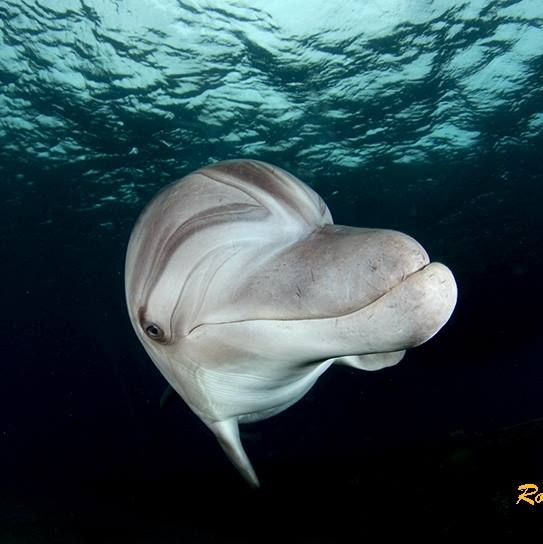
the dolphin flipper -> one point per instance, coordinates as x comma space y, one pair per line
227, 434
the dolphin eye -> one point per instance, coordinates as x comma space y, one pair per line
154, 332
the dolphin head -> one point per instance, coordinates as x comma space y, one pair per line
243, 292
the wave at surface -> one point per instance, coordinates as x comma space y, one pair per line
132, 90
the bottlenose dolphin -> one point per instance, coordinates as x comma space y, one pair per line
243, 292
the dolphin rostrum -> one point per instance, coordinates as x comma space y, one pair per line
243, 292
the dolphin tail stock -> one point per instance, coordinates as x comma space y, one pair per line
227, 434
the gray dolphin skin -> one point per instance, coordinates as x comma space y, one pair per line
243, 292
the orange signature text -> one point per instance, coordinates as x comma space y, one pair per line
529, 493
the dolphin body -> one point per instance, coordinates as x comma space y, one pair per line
243, 292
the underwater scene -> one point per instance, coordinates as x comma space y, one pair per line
358, 286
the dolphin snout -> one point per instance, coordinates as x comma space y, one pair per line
424, 303
335, 271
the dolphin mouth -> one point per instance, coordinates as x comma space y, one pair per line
345, 270
404, 277
386, 293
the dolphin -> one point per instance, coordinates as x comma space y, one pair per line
243, 292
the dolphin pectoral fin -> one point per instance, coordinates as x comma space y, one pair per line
168, 396
371, 361
227, 433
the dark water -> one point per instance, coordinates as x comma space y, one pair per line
423, 116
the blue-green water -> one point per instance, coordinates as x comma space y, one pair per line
419, 115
